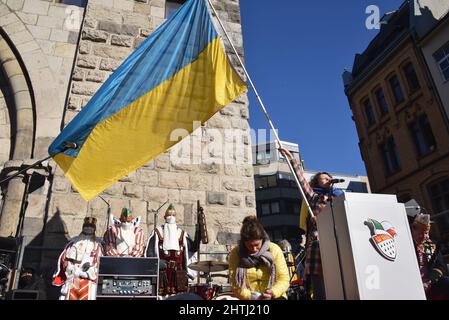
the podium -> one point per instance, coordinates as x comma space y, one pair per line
367, 249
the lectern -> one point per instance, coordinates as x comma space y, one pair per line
367, 249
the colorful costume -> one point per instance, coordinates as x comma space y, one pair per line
124, 237
78, 265
431, 265
176, 251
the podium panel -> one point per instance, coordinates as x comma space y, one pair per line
367, 249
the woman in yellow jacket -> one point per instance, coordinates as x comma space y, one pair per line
257, 268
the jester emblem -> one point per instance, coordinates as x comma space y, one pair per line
382, 238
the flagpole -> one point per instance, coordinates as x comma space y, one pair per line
262, 107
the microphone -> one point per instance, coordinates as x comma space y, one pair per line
337, 180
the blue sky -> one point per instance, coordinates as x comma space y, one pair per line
295, 52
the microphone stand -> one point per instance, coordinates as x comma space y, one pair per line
37, 163
149, 250
67, 145
331, 202
108, 212
155, 216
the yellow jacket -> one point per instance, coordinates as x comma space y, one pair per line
258, 277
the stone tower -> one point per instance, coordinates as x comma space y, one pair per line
53, 58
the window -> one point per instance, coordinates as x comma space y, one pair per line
391, 157
442, 59
286, 180
369, 112
284, 183
275, 207
171, 6
422, 135
268, 208
266, 182
265, 209
272, 181
397, 90
439, 194
381, 101
263, 154
412, 79
292, 207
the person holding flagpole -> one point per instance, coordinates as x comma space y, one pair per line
317, 192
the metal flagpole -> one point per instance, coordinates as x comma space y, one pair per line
262, 106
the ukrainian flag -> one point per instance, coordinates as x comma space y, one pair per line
179, 74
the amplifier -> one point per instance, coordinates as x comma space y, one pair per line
128, 278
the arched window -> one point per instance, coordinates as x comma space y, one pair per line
422, 135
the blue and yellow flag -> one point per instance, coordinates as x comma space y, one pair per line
178, 75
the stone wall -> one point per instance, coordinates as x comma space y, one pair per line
110, 31
5, 132
45, 35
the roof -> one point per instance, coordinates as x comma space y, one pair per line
397, 23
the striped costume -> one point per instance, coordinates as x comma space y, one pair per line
120, 241
317, 203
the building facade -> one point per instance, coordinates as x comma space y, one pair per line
54, 56
400, 116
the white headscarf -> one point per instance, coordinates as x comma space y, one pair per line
171, 237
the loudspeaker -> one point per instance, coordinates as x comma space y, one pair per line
8, 250
22, 295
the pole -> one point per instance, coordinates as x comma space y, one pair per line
199, 244
18, 263
24, 170
108, 213
67, 145
155, 216
262, 106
